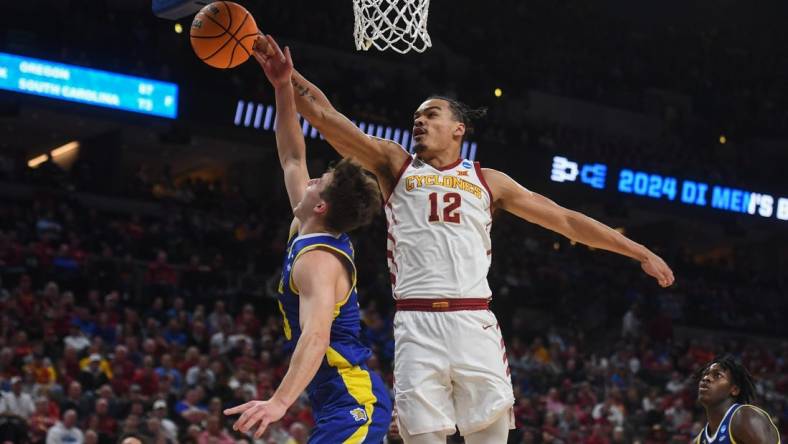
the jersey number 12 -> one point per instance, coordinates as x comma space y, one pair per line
451, 209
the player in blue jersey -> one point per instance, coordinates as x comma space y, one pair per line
725, 390
317, 293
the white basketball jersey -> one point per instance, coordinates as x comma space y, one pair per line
439, 231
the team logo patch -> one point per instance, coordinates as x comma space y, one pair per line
359, 414
467, 164
462, 173
723, 428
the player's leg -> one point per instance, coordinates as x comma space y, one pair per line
422, 438
355, 408
497, 432
422, 384
483, 395
381, 413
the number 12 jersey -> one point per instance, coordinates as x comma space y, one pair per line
438, 242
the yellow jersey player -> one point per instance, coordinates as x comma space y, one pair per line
317, 294
725, 391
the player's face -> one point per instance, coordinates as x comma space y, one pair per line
716, 385
312, 203
435, 129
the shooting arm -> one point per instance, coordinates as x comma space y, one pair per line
382, 157
290, 145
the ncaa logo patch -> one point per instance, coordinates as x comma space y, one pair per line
723, 428
359, 414
467, 164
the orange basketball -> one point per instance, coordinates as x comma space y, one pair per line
223, 34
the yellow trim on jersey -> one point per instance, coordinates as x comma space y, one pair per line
286, 324
359, 385
757, 409
344, 300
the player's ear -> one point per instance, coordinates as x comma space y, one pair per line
321, 207
735, 391
459, 130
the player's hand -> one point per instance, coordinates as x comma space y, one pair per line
655, 267
277, 64
254, 412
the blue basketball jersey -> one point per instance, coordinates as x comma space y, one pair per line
348, 400
724, 434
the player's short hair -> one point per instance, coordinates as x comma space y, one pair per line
741, 377
353, 197
463, 113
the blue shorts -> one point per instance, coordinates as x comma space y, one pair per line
347, 412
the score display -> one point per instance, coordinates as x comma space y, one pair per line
673, 189
86, 85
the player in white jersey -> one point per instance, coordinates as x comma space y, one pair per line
450, 363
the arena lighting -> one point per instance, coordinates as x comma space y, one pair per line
723, 139
178, 28
260, 116
36, 161
498, 92
59, 151
55, 153
672, 189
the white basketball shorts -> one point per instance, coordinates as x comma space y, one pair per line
450, 368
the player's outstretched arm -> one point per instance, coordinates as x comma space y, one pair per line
289, 140
382, 157
752, 426
317, 274
540, 210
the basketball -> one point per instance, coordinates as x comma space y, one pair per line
222, 34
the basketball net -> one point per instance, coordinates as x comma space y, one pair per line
400, 25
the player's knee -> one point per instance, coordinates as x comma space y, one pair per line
421, 438
495, 433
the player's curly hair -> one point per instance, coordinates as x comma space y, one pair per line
463, 113
739, 373
353, 197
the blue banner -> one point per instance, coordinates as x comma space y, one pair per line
85, 85
668, 188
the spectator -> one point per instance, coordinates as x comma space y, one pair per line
219, 317
76, 339
299, 433
214, 432
75, 400
42, 420
167, 370
102, 421
160, 412
146, 377
201, 374
66, 431
92, 376
676, 383
190, 409
17, 403
630, 325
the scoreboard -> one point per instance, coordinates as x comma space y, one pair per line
71, 83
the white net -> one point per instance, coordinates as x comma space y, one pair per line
397, 24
